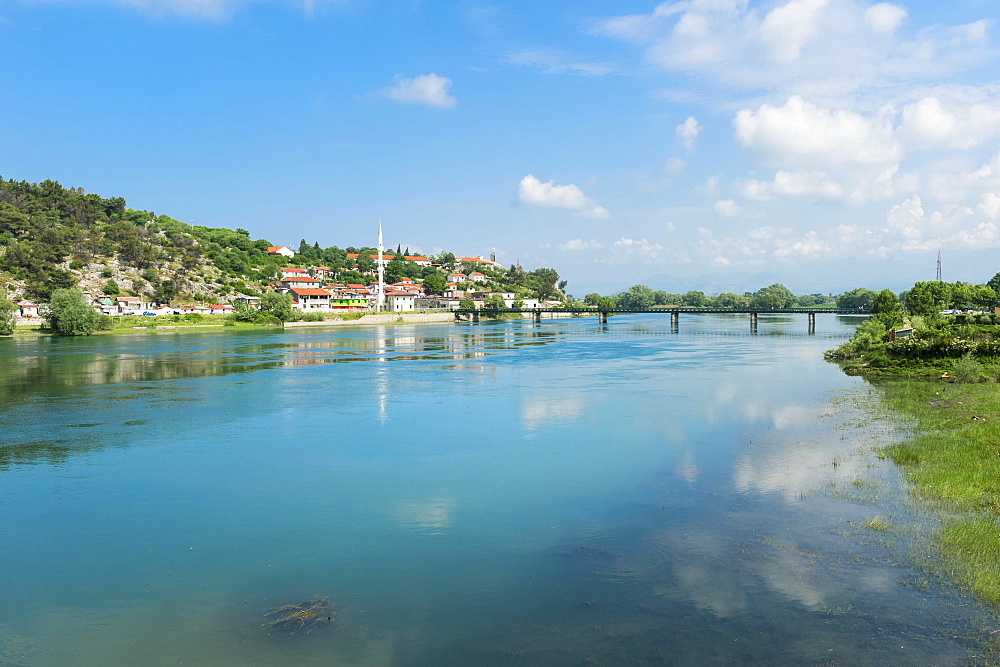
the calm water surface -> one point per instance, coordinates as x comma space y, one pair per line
515, 493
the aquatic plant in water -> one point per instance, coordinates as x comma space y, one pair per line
308, 616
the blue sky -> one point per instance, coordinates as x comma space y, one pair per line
699, 144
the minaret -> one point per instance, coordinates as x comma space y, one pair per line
380, 294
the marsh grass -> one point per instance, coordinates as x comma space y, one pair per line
953, 462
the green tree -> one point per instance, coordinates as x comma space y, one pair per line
856, 299
434, 283
111, 288
984, 296
7, 308
467, 304
772, 297
277, 305
69, 314
927, 297
887, 308
366, 263
605, 303
545, 282
636, 297
695, 298
994, 283
732, 300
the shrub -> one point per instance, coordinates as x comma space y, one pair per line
105, 323
193, 317
107, 272
313, 317
968, 369
76, 264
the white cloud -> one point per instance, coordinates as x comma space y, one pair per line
429, 89
885, 17
642, 249
554, 61
688, 132
727, 208
929, 123
804, 134
532, 191
838, 46
580, 244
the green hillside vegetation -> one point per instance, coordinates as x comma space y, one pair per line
53, 237
643, 297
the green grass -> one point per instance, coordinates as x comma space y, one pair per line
953, 462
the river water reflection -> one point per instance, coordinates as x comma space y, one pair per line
516, 493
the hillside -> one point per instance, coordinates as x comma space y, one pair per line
52, 236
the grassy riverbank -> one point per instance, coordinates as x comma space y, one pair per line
953, 463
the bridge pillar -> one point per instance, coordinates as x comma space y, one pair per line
675, 319
753, 322
812, 323
537, 317
475, 317
602, 317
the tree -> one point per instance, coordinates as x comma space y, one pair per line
605, 303
856, 299
111, 288
467, 304
277, 304
545, 282
70, 315
435, 283
927, 297
732, 300
7, 309
886, 307
695, 298
637, 297
983, 296
995, 283
366, 263
772, 297
592, 299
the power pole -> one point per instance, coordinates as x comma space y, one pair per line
939, 267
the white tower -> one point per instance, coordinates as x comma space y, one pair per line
380, 294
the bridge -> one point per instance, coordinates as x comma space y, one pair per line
473, 314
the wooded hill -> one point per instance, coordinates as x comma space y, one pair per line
53, 237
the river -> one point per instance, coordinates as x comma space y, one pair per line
562, 493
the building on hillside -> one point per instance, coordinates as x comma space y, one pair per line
385, 258
400, 301
220, 309
292, 272
419, 261
280, 251
27, 309
321, 271
470, 261
457, 278
249, 300
477, 277
286, 284
308, 298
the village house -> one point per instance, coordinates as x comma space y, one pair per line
27, 309
399, 301
286, 284
477, 277
293, 272
220, 309
456, 278
305, 298
419, 261
280, 251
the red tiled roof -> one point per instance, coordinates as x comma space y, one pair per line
298, 279
309, 291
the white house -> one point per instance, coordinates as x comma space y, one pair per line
305, 298
280, 250
475, 276
220, 309
286, 284
400, 301
27, 309
456, 278
293, 272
